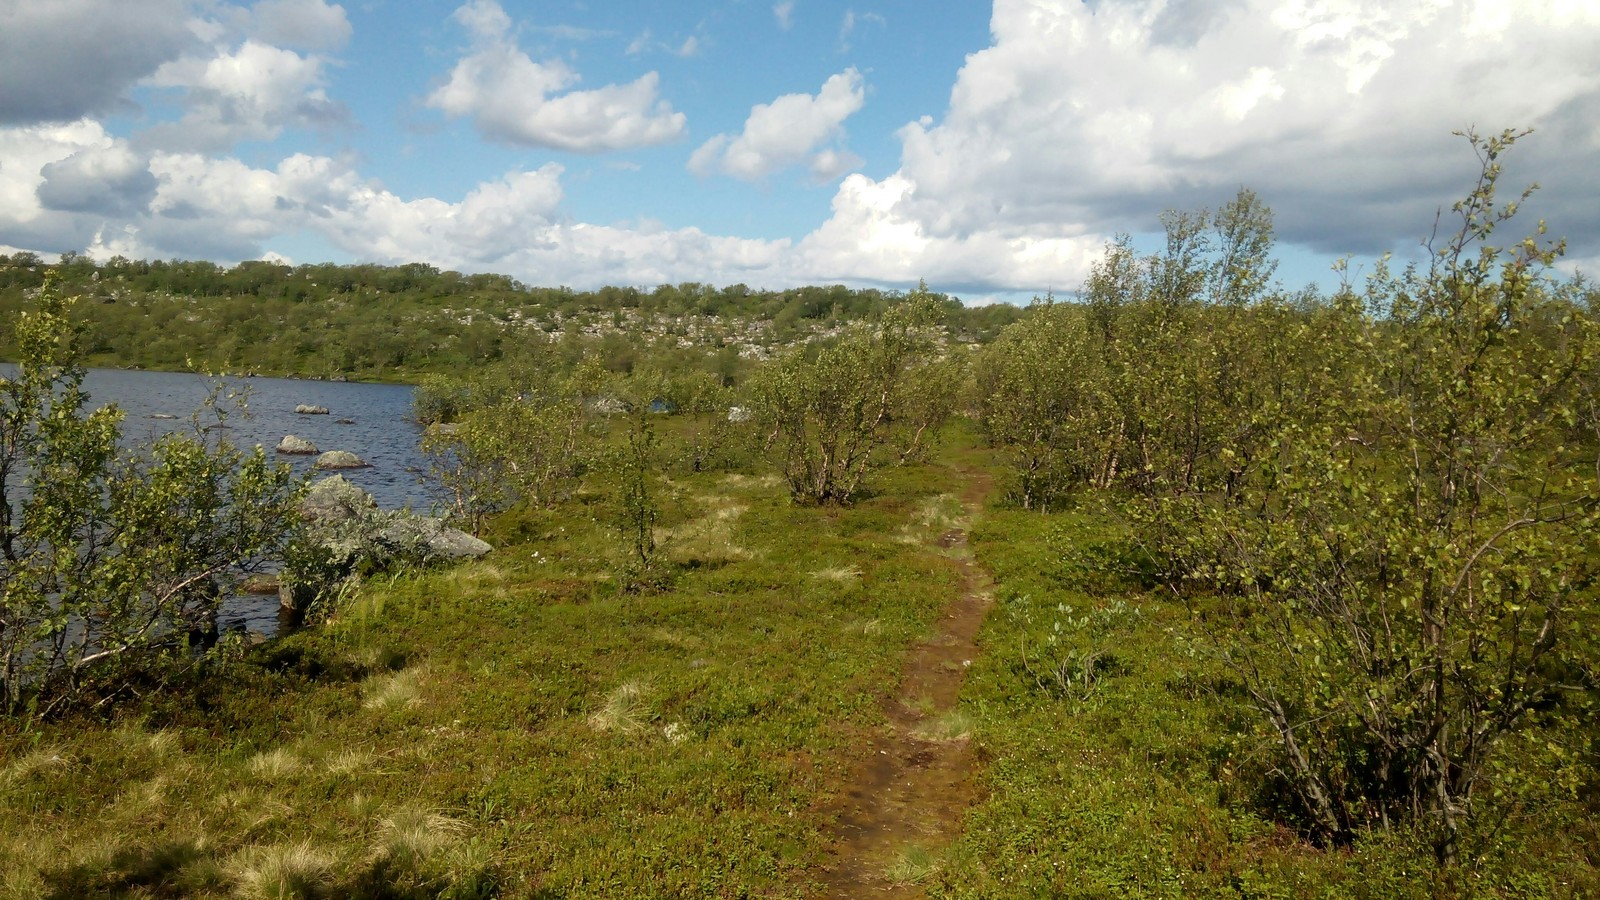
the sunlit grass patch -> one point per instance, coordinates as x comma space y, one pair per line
707, 540
411, 834
274, 765
395, 690
955, 725
934, 516
624, 711
678, 639
37, 762
868, 627
752, 481
281, 871
347, 762
913, 864
838, 573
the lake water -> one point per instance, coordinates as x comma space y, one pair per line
377, 427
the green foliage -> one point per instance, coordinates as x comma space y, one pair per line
1067, 650
638, 506
1410, 578
395, 322
1141, 384
434, 738
110, 558
879, 390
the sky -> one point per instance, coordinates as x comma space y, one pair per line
990, 149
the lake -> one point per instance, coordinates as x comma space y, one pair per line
377, 427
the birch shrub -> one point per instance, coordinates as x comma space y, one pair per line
111, 559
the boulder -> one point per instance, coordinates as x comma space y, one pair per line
341, 459
161, 416
431, 538
335, 499
344, 421
306, 409
296, 445
738, 414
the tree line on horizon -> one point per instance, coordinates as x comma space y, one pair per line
394, 323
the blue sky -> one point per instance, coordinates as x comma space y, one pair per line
989, 148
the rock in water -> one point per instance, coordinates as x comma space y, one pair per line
341, 459
306, 409
335, 499
296, 445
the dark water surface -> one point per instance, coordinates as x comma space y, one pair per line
380, 431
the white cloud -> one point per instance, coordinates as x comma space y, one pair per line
1098, 116
483, 18
511, 98
786, 131
851, 21
25, 154
64, 59
112, 181
313, 24
784, 13
251, 93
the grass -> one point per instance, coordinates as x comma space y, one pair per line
913, 864
513, 727
518, 728
1158, 783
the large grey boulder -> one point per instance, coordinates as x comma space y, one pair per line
432, 537
341, 459
306, 409
345, 535
336, 499
296, 445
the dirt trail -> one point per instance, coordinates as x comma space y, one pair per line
917, 781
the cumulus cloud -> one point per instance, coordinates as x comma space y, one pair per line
65, 59
77, 157
787, 131
251, 93
1097, 116
112, 181
511, 98
313, 24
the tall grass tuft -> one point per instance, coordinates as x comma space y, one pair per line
281, 872
625, 710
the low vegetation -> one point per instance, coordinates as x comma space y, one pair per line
1294, 596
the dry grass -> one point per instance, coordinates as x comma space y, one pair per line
280, 871
275, 765
707, 540
347, 762
752, 481
838, 573
39, 762
625, 710
413, 834
936, 515
395, 690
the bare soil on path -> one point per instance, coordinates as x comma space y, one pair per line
905, 802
